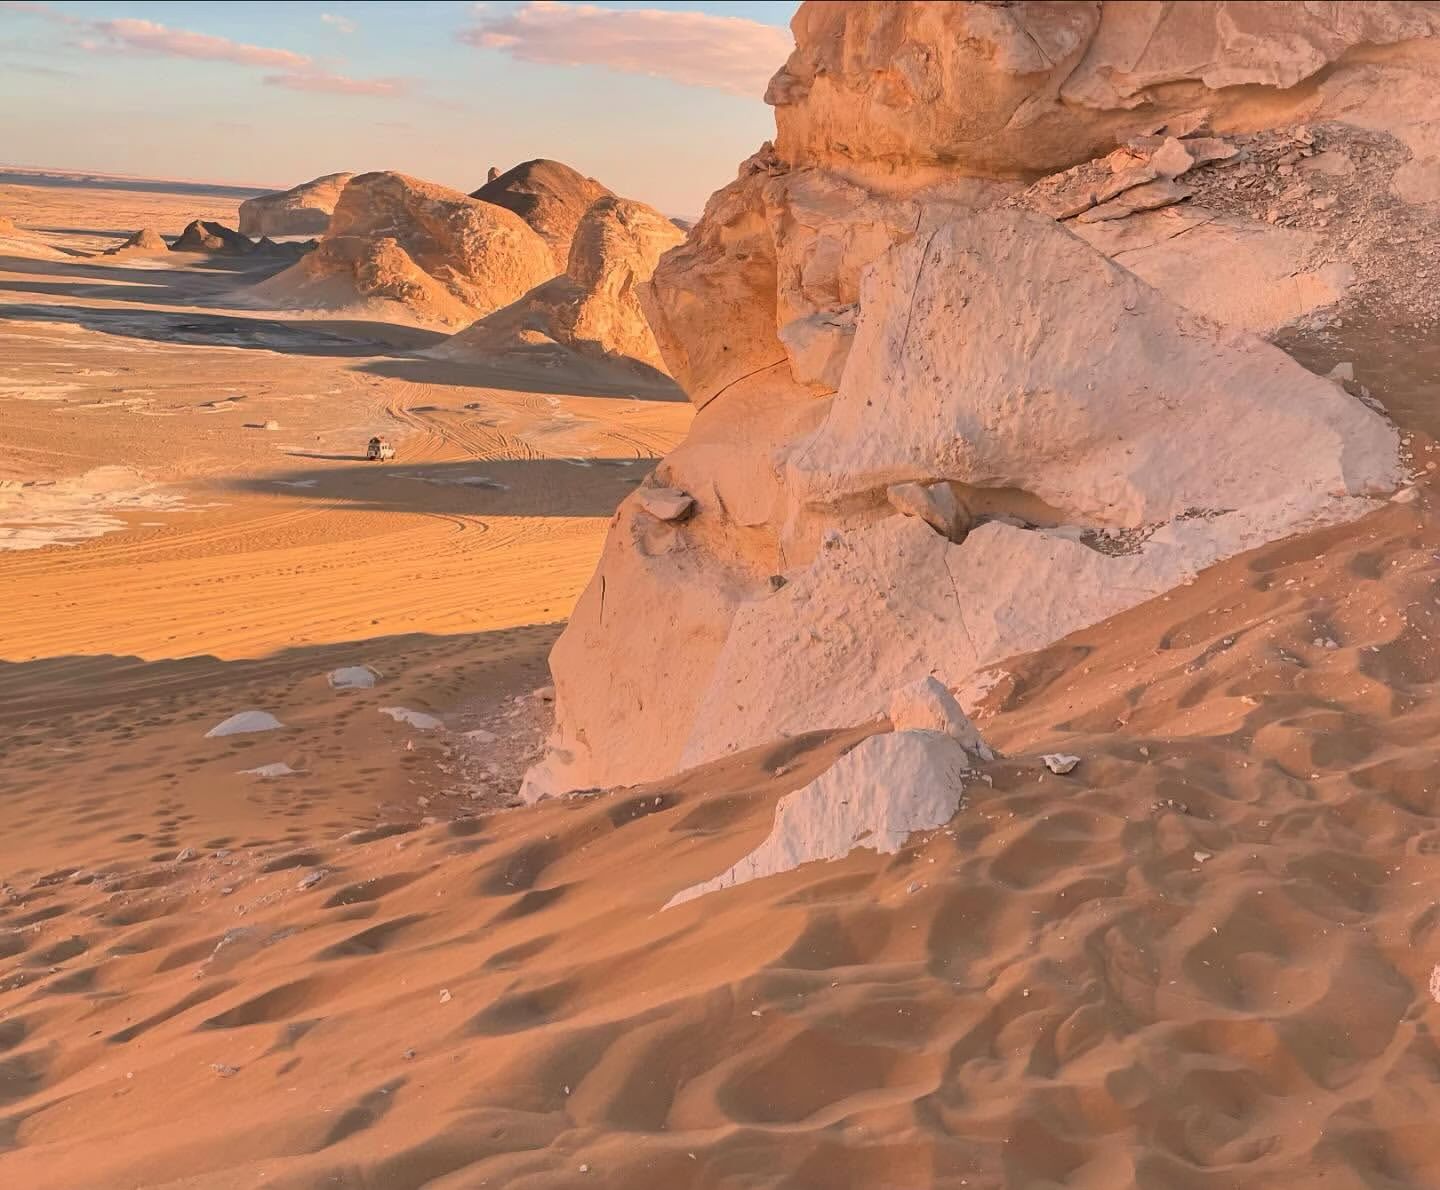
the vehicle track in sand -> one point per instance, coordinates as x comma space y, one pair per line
369, 550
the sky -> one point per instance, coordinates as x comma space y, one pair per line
658, 100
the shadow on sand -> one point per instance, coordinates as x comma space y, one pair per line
215, 282
583, 378
290, 337
36, 691
475, 488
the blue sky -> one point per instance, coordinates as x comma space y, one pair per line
275, 93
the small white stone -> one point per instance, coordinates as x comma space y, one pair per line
416, 719
1059, 762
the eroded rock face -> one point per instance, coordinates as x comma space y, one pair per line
941, 422
410, 250
303, 210
1013, 89
592, 308
550, 196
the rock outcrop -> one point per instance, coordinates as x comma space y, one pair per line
303, 210
552, 198
941, 421
1009, 90
201, 235
403, 249
593, 308
145, 242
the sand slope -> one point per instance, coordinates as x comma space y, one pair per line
1201, 959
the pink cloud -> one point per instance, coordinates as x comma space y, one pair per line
44, 11
149, 38
336, 84
694, 48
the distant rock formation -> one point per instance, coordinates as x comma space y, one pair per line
303, 210
404, 249
144, 242
15, 241
593, 307
549, 196
201, 235
940, 419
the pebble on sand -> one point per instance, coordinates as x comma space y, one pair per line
268, 771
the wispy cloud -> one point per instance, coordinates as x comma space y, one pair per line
337, 84
44, 11
695, 48
298, 72
146, 37
338, 23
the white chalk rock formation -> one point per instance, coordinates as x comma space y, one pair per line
927, 705
875, 796
406, 250
303, 210
1002, 90
550, 196
941, 422
592, 308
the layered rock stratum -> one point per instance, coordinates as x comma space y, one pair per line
404, 249
593, 308
303, 210
550, 196
961, 388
